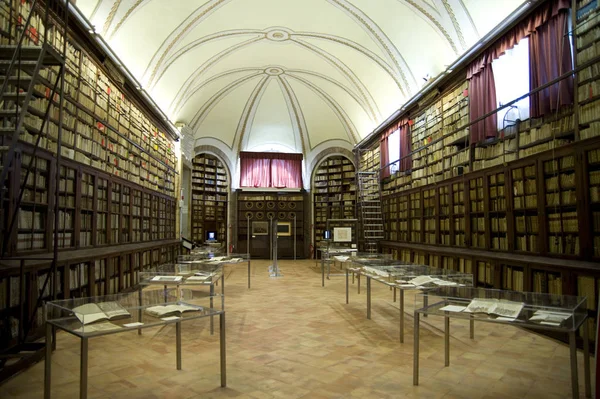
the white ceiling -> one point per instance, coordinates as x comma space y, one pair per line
288, 75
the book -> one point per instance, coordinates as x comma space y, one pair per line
171, 310
107, 326
198, 279
549, 317
497, 307
167, 279
91, 312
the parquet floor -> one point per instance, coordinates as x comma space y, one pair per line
291, 338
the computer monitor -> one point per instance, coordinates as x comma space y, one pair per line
211, 236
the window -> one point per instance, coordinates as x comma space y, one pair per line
394, 151
511, 75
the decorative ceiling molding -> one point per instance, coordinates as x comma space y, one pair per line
344, 70
349, 127
111, 16
292, 36
379, 37
365, 51
170, 43
298, 121
456, 25
194, 76
128, 14
164, 66
373, 114
428, 11
214, 100
465, 11
249, 112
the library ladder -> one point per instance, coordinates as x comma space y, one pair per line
25, 110
369, 202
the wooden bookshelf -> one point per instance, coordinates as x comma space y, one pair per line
116, 183
334, 193
210, 191
255, 212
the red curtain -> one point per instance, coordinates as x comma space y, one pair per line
482, 93
286, 173
550, 57
482, 89
255, 172
405, 158
270, 169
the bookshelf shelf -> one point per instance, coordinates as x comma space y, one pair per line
333, 201
210, 193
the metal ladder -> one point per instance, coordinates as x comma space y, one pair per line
21, 71
369, 202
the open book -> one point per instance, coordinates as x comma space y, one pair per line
170, 310
98, 327
91, 312
499, 307
167, 279
550, 318
197, 279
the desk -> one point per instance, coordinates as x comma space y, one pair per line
570, 309
64, 315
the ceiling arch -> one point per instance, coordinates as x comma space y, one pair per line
303, 75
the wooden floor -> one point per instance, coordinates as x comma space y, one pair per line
291, 338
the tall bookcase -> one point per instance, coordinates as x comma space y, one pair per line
256, 210
116, 183
523, 208
210, 191
334, 193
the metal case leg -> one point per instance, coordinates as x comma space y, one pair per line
48, 363
83, 369
223, 350
574, 378
416, 351
178, 344
369, 298
401, 299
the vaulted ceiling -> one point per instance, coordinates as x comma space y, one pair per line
288, 75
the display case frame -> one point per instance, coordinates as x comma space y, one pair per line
388, 274
66, 315
532, 303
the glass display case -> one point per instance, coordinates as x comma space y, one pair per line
333, 253
402, 276
96, 316
175, 274
558, 313
213, 259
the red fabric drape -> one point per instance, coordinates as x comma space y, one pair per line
482, 93
405, 158
482, 90
270, 169
270, 155
550, 57
286, 173
255, 172
384, 157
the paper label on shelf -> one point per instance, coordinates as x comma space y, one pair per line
171, 318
